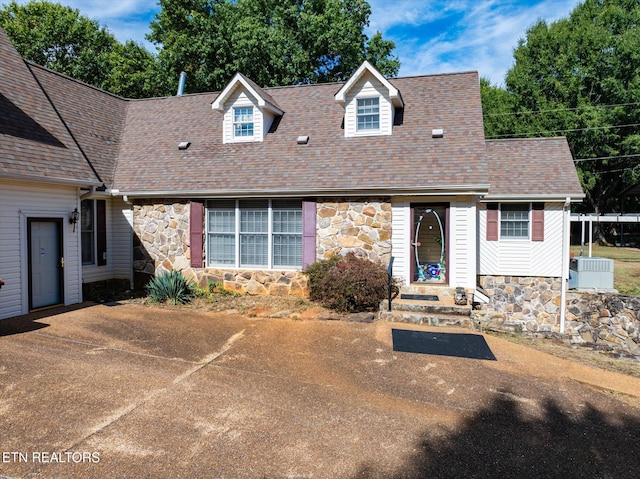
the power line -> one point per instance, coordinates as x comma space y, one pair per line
518, 135
561, 109
607, 157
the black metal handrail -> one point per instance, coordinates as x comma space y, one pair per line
389, 283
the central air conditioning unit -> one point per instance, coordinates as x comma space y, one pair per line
591, 273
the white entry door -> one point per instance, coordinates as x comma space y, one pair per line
45, 262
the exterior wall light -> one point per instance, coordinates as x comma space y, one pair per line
74, 216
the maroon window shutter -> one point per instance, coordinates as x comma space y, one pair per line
492, 222
308, 233
537, 222
101, 231
196, 233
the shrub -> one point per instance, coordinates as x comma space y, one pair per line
348, 283
170, 286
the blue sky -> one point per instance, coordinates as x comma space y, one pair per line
431, 36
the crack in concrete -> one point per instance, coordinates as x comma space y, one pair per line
122, 412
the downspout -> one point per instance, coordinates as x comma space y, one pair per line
566, 211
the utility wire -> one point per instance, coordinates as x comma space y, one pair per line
562, 109
516, 135
607, 157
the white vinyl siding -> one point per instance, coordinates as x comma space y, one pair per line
462, 244
22, 200
262, 120
400, 240
368, 88
119, 245
518, 257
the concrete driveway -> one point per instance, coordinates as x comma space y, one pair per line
129, 391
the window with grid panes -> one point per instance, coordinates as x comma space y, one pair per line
243, 121
514, 221
254, 233
287, 233
221, 232
368, 114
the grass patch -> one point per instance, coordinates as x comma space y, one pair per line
626, 265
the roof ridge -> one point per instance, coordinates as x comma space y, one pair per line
70, 78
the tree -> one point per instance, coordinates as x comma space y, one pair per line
497, 107
62, 40
580, 77
273, 42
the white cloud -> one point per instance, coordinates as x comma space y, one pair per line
480, 34
481, 37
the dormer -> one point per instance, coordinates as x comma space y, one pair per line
370, 102
247, 111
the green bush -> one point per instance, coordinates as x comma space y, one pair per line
348, 283
171, 286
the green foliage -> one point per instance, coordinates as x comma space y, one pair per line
348, 283
62, 40
171, 286
579, 77
273, 42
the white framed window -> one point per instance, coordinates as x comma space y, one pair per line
514, 220
243, 122
254, 233
368, 114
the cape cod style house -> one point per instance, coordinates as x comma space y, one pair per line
247, 186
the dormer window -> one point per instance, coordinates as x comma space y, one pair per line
370, 103
368, 113
243, 121
248, 111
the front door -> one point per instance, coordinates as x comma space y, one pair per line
429, 242
45, 262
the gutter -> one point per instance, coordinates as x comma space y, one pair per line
523, 198
58, 181
471, 190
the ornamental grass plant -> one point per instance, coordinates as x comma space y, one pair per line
171, 286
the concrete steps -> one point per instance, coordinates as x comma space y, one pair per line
422, 309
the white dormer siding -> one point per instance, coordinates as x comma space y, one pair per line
368, 88
262, 120
256, 111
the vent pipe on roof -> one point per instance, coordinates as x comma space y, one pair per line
181, 83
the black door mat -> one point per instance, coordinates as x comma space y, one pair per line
421, 297
459, 345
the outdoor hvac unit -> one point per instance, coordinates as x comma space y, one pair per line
591, 273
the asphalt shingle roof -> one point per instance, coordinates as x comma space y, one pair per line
95, 118
532, 166
55, 128
34, 141
149, 159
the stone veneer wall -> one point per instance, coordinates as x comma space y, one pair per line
361, 226
520, 303
532, 306
162, 243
